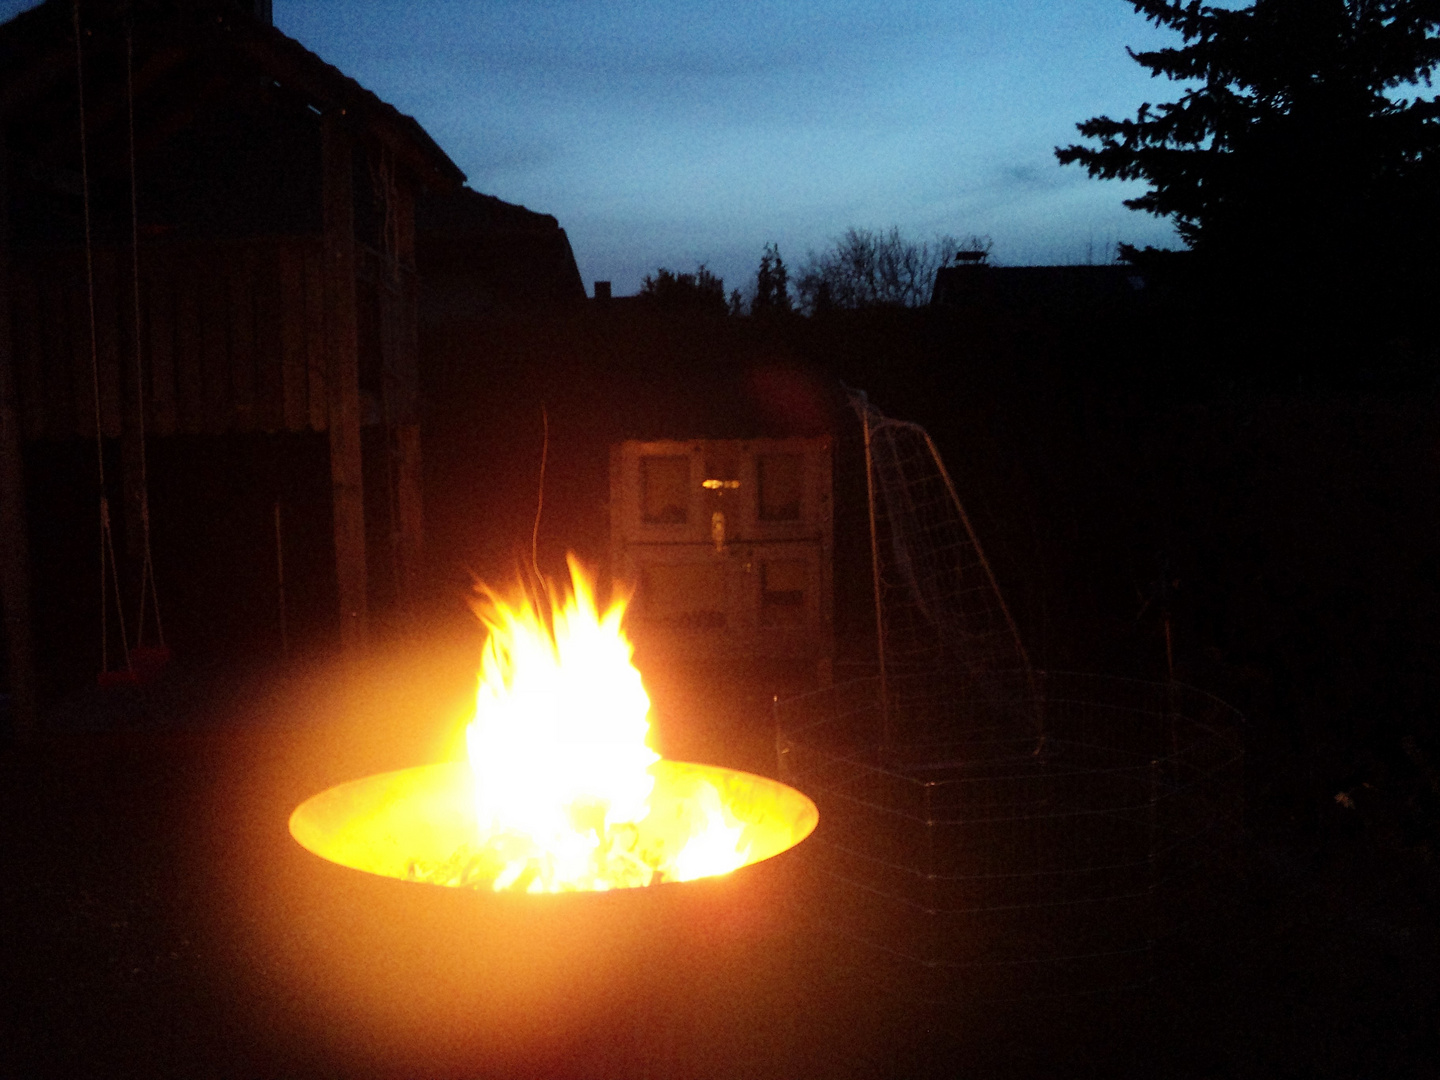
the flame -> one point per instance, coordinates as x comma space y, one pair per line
559, 749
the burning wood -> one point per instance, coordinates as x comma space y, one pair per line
562, 791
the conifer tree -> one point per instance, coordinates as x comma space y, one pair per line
772, 285
1304, 136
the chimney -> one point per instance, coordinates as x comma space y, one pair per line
602, 290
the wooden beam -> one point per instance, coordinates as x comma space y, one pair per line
295, 410
107, 122
82, 386
208, 77
189, 358
14, 537
313, 270
214, 358
240, 265
269, 342
343, 381
55, 364
107, 103
405, 411
20, 89
291, 65
410, 515
28, 354
403, 374
107, 339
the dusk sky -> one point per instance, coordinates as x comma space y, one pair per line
669, 133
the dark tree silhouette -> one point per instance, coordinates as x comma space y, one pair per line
701, 292
865, 268
1301, 139
772, 285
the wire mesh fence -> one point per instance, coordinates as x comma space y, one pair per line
1012, 837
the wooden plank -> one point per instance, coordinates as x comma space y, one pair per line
404, 214
406, 407
397, 383
14, 534
189, 369
21, 89
315, 358
294, 377
158, 300
241, 273
29, 358
215, 346
107, 340
385, 319
269, 360
56, 354
83, 397
408, 364
410, 514
343, 383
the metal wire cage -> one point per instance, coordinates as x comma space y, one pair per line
1017, 837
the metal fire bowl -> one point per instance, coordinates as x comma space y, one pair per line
383, 824
453, 981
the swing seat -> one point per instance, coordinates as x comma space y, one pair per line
146, 662
149, 660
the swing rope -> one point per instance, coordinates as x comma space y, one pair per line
148, 589
109, 571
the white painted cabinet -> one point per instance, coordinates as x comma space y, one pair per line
727, 544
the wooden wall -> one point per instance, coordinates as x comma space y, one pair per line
232, 333
244, 336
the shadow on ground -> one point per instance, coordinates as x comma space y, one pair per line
159, 921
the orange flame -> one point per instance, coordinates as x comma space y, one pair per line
559, 749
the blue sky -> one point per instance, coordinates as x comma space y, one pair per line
671, 132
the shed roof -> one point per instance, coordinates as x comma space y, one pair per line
37, 62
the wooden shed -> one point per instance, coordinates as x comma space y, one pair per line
208, 231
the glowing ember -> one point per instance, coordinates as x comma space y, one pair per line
563, 791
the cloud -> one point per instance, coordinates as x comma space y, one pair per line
666, 132
1028, 174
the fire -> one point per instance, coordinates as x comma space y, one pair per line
563, 791
564, 776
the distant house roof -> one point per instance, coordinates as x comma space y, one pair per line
1034, 286
37, 63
